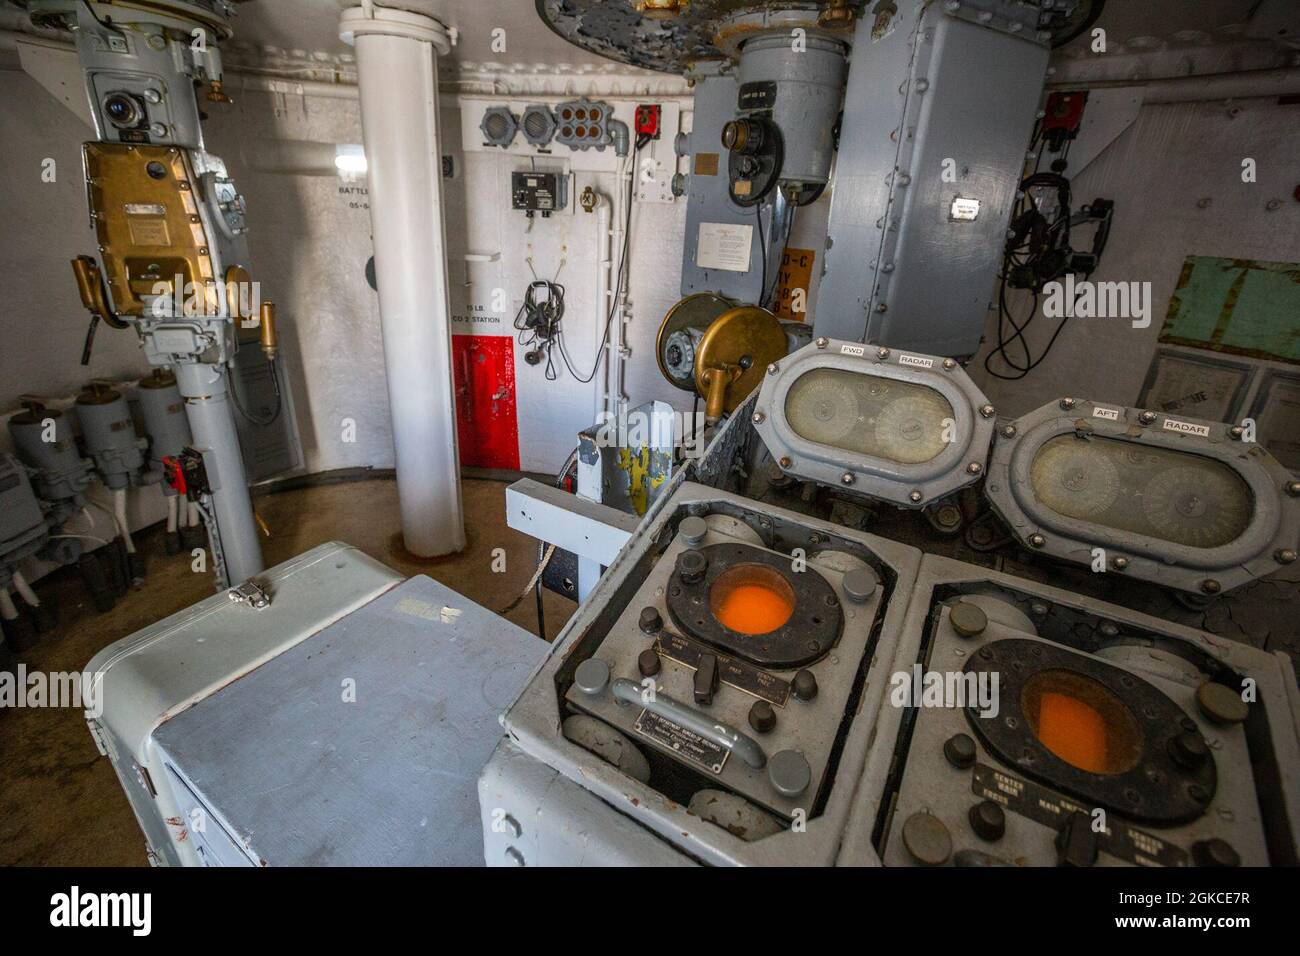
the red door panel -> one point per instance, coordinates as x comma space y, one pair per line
486, 424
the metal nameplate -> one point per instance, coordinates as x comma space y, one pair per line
758, 95
1186, 428
687, 744
736, 673
1045, 806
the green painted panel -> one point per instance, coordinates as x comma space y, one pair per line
1241, 306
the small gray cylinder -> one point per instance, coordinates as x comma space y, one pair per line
109, 434
803, 89
163, 410
44, 440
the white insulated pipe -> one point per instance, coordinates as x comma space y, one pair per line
613, 400
8, 610
173, 511
119, 517
25, 589
604, 292
397, 64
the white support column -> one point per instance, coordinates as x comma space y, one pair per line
397, 62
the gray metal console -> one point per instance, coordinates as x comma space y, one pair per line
665, 699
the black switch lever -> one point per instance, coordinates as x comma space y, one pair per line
706, 678
1076, 843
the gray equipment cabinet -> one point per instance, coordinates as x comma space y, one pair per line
927, 171
332, 715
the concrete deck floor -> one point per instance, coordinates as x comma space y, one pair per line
60, 802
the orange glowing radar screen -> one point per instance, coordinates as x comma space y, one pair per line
1073, 731
752, 600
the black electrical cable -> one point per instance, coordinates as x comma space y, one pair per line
1034, 239
538, 321
613, 303
279, 400
107, 23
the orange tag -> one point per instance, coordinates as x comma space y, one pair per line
793, 283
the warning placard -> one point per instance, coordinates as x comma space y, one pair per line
724, 246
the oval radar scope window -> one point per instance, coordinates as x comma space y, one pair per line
1190, 504
898, 421
875, 422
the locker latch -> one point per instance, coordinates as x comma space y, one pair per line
250, 593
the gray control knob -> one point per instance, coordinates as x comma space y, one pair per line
691, 565
967, 619
762, 717
789, 773
927, 839
592, 676
693, 529
987, 820
860, 584
651, 620
647, 662
805, 685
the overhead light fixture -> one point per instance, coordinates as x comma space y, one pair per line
350, 159
498, 126
897, 426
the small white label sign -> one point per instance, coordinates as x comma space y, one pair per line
858, 350
724, 246
1110, 414
1186, 428
919, 361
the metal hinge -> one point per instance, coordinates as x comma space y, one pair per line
97, 734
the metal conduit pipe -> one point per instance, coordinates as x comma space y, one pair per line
1247, 84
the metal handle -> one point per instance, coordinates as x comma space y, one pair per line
90, 286
744, 746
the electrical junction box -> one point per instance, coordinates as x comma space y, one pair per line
342, 721
539, 192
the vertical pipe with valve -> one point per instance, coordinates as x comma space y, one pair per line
397, 60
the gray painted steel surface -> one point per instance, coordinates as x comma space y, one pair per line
901, 270
1174, 657
533, 721
230, 734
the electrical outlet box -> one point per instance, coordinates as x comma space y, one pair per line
539, 192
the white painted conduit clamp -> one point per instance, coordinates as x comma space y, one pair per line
370, 20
